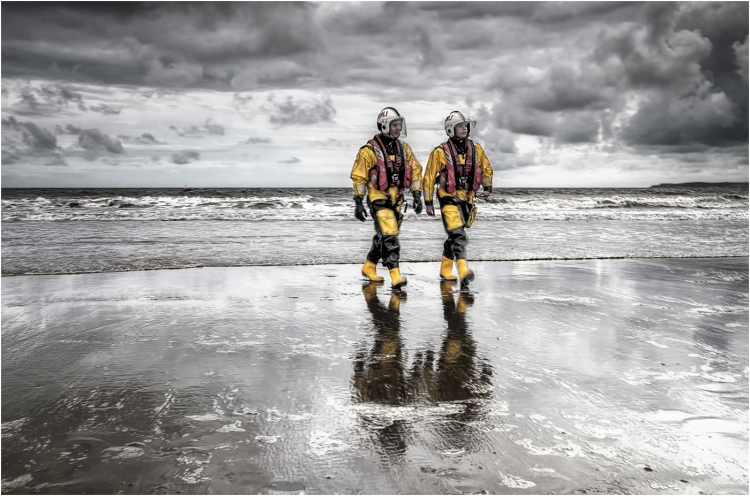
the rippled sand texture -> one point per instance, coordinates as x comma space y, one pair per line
615, 376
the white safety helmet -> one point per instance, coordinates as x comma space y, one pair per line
388, 115
454, 119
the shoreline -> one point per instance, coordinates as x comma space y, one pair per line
303, 264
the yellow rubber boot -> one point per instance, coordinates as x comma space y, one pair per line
397, 280
446, 270
464, 272
369, 270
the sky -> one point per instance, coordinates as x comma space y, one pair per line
272, 94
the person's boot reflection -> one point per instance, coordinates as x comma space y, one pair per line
379, 373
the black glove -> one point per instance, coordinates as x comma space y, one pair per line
417, 201
486, 192
359, 210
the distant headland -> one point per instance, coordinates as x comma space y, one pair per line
701, 185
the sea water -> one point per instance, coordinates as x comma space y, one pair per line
59, 230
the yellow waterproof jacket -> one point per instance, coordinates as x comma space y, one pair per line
366, 160
436, 164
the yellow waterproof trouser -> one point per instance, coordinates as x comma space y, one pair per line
451, 217
389, 226
454, 221
385, 244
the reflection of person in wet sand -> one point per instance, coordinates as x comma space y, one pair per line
457, 377
381, 376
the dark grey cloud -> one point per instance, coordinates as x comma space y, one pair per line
174, 44
68, 129
255, 140
46, 100
328, 143
143, 139
51, 99
289, 112
57, 159
185, 157
105, 109
663, 120
725, 24
567, 14
22, 141
216, 129
664, 59
639, 74
209, 127
94, 140
34, 137
430, 45
10, 157
291, 160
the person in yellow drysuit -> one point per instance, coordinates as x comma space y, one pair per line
459, 167
383, 169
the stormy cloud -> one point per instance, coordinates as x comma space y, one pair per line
289, 112
143, 139
624, 79
185, 157
32, 137
208, 127
254, 140
95, 140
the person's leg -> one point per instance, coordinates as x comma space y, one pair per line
369, 269
455, 247
453, 225
459, 245
388, 223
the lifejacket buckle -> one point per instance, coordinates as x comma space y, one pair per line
462, 180
394, 178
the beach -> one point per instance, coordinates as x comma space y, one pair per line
559, 376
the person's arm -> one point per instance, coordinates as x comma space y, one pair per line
484, 163
362, 164
435, 164
416, 179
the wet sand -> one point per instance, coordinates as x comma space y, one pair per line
598, 376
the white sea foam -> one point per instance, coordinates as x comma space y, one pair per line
267, 439
505, 205
122, 452
76, 232
17, 482
234, 427
322, 443
516, 482
204, 418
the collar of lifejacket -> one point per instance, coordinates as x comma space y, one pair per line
389, 143
386, 139
460, 144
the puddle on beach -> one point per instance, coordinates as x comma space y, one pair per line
553, 377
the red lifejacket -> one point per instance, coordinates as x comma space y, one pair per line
385, 173
453, 168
